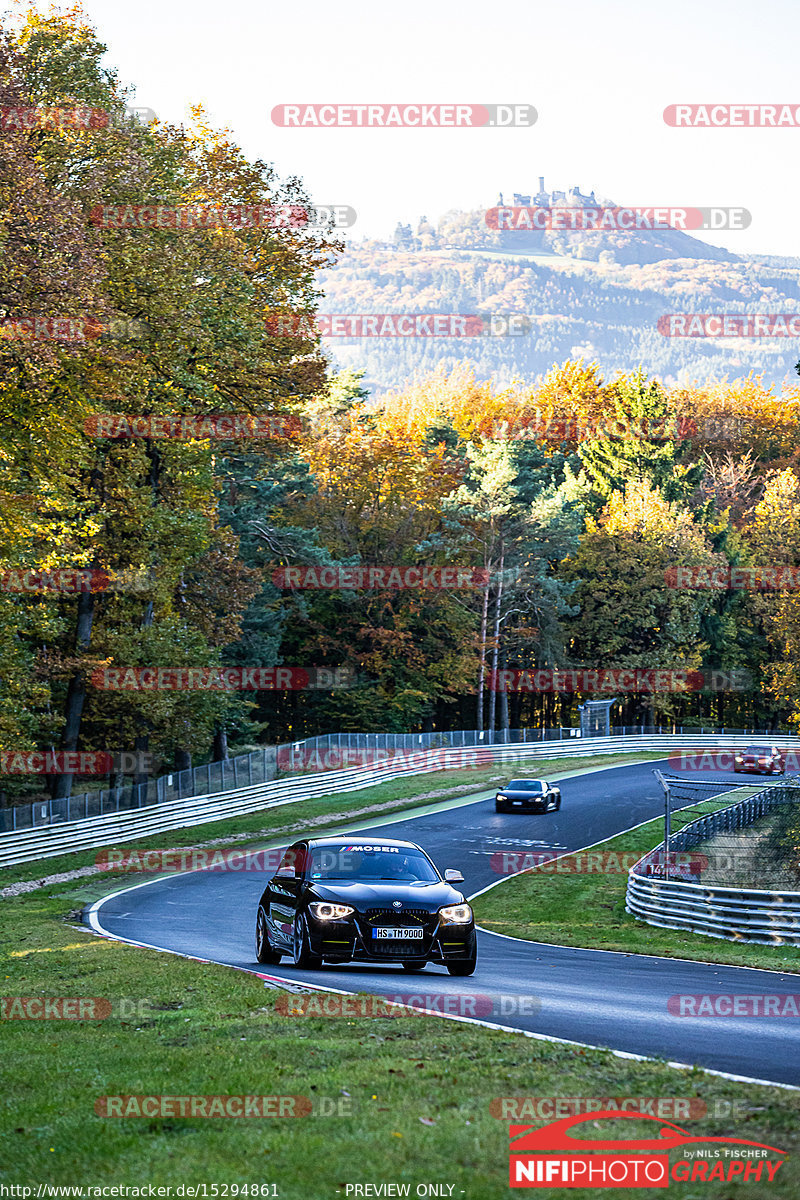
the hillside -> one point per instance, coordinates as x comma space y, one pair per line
592, 294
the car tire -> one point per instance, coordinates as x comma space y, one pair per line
558, 802
465, 967
301, 955
264, 950
498, 807
415, 964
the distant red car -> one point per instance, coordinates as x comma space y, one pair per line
760, 760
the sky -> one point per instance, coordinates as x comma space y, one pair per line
599, 73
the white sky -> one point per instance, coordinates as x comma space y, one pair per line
599, 72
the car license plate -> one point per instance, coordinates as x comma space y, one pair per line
397, 932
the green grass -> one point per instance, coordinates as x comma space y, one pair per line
415, 1092
327, 811
589, 910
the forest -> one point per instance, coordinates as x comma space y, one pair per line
212, 538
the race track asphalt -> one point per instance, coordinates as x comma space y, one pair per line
597, 998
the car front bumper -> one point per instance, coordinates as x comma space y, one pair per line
350, 939
526, 805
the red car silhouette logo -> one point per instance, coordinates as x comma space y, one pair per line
525, 1138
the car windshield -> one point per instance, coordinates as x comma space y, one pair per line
360, 861
526, 785
759, 750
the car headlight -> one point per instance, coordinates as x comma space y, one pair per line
456, 914
324, 911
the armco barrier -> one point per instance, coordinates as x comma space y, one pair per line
226, 775
329, 751
51, 840
738, 914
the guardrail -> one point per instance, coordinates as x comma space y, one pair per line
210, 779
326, 752
50, 841
738, 914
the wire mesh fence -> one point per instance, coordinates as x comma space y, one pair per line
764, 852
751, 839
326, 752
729, 874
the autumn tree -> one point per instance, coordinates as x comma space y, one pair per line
628, 616
638, 442
774, 543
201, 297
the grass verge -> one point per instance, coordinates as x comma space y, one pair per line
409, 1097
589, 910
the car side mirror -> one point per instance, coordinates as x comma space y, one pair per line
452, 876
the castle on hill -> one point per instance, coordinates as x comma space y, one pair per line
544, 199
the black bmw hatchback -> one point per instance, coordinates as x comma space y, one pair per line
371, 900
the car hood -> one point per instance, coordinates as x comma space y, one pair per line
363, 895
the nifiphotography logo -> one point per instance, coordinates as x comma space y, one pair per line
635, 1162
